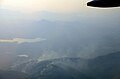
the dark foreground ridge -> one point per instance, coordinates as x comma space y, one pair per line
9, 74
104, 3
102, 67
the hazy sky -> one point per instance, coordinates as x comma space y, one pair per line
58, 6
49, 5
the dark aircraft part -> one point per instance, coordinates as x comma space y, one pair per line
104, 3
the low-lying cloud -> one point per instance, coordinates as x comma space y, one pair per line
22, 40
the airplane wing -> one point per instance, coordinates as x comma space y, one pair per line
104, 3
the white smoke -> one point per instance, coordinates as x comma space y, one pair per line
24, 55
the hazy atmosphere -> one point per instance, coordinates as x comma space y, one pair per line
48, 29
